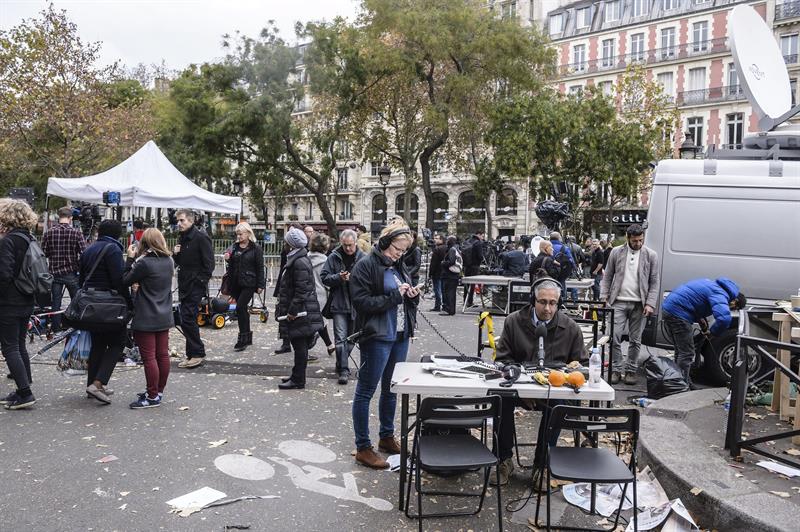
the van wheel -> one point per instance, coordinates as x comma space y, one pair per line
719, 356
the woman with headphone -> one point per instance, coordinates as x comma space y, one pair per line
386, 305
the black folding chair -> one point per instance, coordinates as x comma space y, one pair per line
453, 452
593, 465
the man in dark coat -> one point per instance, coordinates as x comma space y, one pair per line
336, 276
298, 294
435, 270
473, 258
518, 344
194, 256
513, 262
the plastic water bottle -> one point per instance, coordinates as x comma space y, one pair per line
726, 404
595, 368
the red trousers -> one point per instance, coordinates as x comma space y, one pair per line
154, 348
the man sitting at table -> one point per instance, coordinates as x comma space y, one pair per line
518, 344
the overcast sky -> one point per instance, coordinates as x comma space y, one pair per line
178, 31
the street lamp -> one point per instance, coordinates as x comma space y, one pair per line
384, 173
688, 149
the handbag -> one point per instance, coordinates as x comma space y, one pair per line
97, 310
326, 310
74, 360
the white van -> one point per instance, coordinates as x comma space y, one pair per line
726, 218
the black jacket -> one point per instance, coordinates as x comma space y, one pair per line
339, 289
108, 274
413, 261
298, 293
196, 260
450, 260
437, 256
563, 343
370, 300
247, 265
13, 247
514, 263
152, 302
546, 262
284, 252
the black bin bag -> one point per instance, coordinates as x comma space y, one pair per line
664, 377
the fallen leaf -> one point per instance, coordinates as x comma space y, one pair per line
107, 459
213, 444
793, 452
183, 408
123, 506
696, 491
124, 493
738, 475
781, 494
755, 416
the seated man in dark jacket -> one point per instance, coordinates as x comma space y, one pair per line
513, 262
518, 344
694, 302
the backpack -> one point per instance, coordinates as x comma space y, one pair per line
458, 267
565, 268
34, 277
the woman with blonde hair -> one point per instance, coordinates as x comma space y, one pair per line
246, 276
386, 305
17, 220
149, 271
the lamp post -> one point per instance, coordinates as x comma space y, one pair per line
384, 173
688, 149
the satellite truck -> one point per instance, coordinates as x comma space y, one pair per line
736, 212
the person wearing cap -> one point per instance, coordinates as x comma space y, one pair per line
298, 295
519, 344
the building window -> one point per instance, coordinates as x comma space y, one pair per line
309, 210
700, 36
506, 202
734, 88
666, 80
793, 88
508, 10
640, 7
345, 210
694, 127
612, 11
342, 150
400, 209
576, 90
579, 57
471, 212
608, 53
556, 24
373, 168
637, 47
668, 43
440, 203
734, 130
583, 18
378, 207
606, 87
341, 178
697, 85
279, 212
295, 209
668, 5
789, 48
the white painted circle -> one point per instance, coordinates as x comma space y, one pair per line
307, 451
244, 467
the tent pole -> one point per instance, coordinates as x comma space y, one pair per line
46, 214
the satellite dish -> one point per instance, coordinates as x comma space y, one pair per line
761, 68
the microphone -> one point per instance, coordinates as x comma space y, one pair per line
541, 332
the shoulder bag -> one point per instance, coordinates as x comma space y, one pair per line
97, 310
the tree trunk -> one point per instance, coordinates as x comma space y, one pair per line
408, 189
425, 163
486, 204
327, 215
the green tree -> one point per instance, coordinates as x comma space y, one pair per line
60, 114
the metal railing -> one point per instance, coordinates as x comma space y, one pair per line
790, 59
712, 94
788, 9
733, 434
656, 55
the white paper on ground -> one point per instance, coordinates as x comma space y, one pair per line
649, 494
673, 514
197, 498
779, 468
394, 462
679, 520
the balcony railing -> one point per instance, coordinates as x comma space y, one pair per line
788, 9
710, 95
790, 58
656, 55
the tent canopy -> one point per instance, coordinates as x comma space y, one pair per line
145, 179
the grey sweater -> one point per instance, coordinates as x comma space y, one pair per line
152, 303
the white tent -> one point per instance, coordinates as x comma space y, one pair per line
145, 179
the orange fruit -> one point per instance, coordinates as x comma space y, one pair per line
576, 379
557, 378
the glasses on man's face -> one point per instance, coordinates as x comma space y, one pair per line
547, 303
400, 250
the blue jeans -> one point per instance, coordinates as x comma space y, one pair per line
437, 293
378, 358
598, 278
61, 281
343, 326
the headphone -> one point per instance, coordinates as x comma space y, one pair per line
386, 240
539, 281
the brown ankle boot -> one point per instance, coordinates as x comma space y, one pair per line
368, 457
389, 445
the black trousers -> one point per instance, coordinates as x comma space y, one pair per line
300, 348
190, 306
243, 296
505, 432
13, 332
106, 352
449, 288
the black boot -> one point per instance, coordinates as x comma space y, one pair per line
249, 338
241, 342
